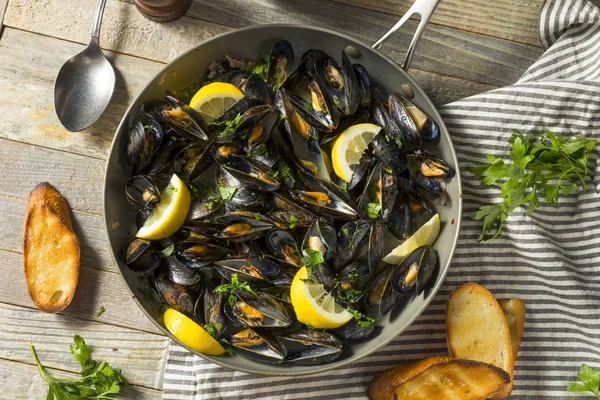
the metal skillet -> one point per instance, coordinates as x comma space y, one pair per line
387, 77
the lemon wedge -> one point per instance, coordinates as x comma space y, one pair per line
349, 148
425, 235
169, 214
212, 100
314, 305
191, 334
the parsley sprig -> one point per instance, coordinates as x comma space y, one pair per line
230, 288
361, 318
590, 381
312, 258
98, 379
541, 163
228, 124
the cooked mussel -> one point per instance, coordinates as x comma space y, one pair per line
281, 56
364, 85
351, 238
256, 271
259, 309
309, 347
376, 243
202, 209
213, 308
408, 133
424, 124
256, 89
354, 331
414, 273
379, 296
283, 246
143, 191
250, 173
287, 219
242, 226
144, 140
351, 280
180, 117
429, 172
321, 237
199, 254
258, 134
180, 273
180, 297
190, 162
140, 257
380, 193
259, 345
400, 220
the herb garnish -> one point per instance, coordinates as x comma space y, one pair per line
227, 192
101, 311
373, 209
293, 222
312, 258
548, 164
229, 288
590, 379
228, 124
360, 318
98, 379
167, 251
212, 329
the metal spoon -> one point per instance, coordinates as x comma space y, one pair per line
85, 83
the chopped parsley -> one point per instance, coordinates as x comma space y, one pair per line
227, 192
293, 222
167, 251
360, 318
101, 311
229, 288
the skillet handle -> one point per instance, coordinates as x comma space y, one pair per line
422, 7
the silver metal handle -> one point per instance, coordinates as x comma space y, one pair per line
422, 7
98, 19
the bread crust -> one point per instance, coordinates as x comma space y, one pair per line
51, 251
477, 329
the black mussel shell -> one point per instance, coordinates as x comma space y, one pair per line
408, 133
161, 163
258, 344
256, 271
258, 134
143, 191
180, 297
309, 347
415, 272
259, 309
256, 89
400, 221
144, 140
321, 236
140, 257
283, 246
379, 296
354, 331
364, 85
376, 244
250, 173
213, 309
425, 125
379, 194
280, 58
351, 280
287, 219
194, 159
429, 172
242, 226
180, 273
183, 119
204, 209
198, 255
351, 237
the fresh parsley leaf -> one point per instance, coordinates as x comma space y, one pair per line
227, 192
98, 380
257, 216
590, 379
228, 125
373, 209
100, 311
540, 163
344, 187
293, 222
230, 288
360, 318
167, 251
213, 329
312, 258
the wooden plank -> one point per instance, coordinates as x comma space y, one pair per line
96, 288
22, 382
30, 63
444, 50
140, 355
3, 4
514, 20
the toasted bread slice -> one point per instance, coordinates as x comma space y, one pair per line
383, 385
454, 380
50, 250
514, 311
476, 329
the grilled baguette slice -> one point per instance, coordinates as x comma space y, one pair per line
383, 385
476, 329
514, 311
452, 380
50, 250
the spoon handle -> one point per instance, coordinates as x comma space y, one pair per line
98, 19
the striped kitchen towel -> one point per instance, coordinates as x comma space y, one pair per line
551, 260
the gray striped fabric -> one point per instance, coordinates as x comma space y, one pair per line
550, 260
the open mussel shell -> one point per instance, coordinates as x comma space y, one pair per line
250, 173
309, 347
259, 309
424, 124
199, 254
161, 163
180, 273
414, 273
429, 172
379, 194
351, 280
351, 238
287, 219
213, 308
258, 134
200, 232
280, 58
144, 140
282, 246
353, 331
255, 271
191, 161
180, 297
140, 257
204, 209
321, 237
317, 112
408, 133
143, 191
182, 118
379, 296
259, 345
242, 226
244, 197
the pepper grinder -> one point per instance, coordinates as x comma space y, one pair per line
162, 10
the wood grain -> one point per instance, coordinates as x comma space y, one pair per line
22, 382
95, 289
140, 355
514, 20
444, 50
30, 63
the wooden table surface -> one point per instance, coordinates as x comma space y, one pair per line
469, 47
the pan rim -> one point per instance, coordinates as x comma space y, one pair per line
324, 367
